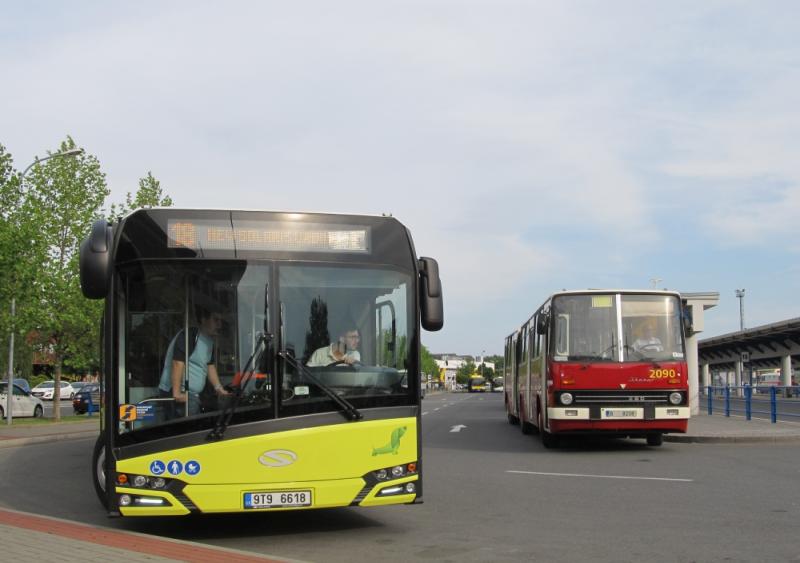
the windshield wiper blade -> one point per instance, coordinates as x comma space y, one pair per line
347, 408
227, 413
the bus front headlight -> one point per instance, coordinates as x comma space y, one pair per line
676, 398
566, 398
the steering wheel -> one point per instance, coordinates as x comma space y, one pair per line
342, 362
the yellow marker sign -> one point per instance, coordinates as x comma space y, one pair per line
127, 413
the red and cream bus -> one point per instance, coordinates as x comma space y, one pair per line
600, 362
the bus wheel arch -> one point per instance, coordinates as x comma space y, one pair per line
99, 470
549, 440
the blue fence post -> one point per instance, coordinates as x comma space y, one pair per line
748, 401
89, 408
710, 398
773, 404
727, 400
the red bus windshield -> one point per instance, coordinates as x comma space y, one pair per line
588, 328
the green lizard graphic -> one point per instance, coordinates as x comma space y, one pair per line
394, 443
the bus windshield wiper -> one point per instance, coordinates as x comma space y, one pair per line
263, 342
349, 411
227, 413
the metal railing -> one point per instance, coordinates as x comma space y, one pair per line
749, 400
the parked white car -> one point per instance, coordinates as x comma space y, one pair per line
22, 402
45, 390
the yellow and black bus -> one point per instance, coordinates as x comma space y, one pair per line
477, 384
258, 424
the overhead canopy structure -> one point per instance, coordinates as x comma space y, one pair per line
765, 347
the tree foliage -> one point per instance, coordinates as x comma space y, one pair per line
465, 371
43, 220
427, 363
149, 194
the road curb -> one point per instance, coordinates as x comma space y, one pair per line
730, 439
28, 440
136, 543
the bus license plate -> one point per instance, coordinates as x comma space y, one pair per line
621, 413
277, 499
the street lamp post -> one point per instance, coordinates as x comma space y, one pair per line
10, 388
740, 295
483, 363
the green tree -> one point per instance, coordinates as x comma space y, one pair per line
427, 363
465, 371
149, 194
62, 198
17, 267
486, 371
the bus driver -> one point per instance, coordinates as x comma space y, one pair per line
648, 341
345, 350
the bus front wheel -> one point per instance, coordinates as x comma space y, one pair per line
655, 439
99, 470
549, 440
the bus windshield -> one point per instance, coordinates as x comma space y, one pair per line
347, 328
587, 328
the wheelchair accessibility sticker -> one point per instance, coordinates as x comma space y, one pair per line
174, 467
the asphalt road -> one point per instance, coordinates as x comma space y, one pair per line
492, 494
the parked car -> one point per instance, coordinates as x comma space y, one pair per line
45, 390
22, 404
77, 386
87, 399
21, 383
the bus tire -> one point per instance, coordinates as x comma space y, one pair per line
99, 471
526, 427
511, 418
655, 439
549, 440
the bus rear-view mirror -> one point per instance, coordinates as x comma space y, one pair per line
430, 298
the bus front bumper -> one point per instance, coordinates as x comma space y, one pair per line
230, 498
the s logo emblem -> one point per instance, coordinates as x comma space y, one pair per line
277, 458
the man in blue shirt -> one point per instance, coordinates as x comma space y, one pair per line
202, 365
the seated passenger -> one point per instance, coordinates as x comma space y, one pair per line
344, 350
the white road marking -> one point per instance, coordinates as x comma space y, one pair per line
601, 476
436, 409
458, 428
426, 412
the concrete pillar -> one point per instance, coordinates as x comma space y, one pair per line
738, 380
786, 374
786, 370
691, 362
706, 376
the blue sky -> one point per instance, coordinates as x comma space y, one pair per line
529, 146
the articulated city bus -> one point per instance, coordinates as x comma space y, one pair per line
301, 333
600, 362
